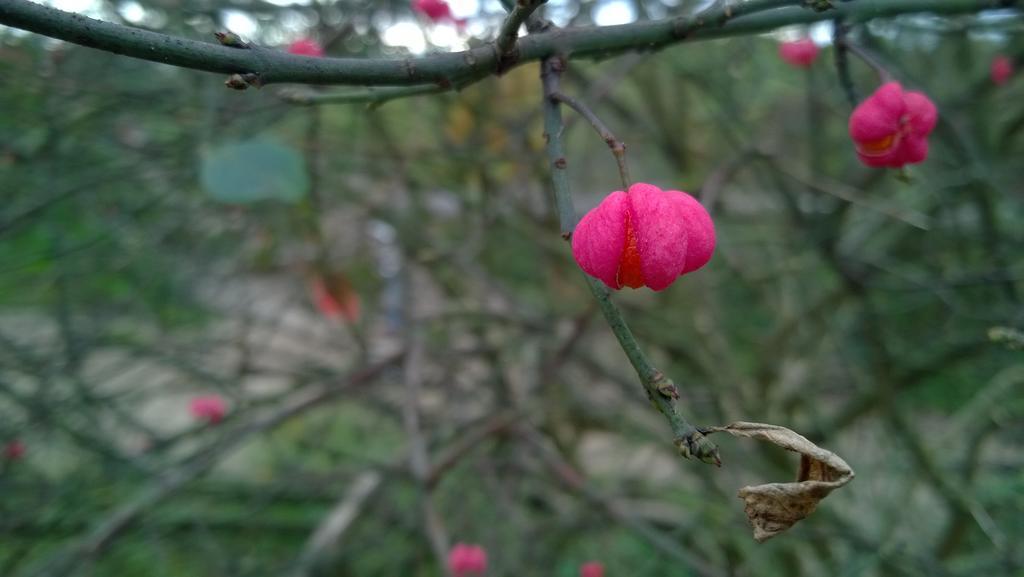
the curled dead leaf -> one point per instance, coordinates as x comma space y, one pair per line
774, 507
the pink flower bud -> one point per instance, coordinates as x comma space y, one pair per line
644, 237
436, 11
465, 560
891, 127
337, 301
592, 569
209, 408
306, 47
14, 450
799, 53
1002, 70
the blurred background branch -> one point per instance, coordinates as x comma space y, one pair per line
164, 239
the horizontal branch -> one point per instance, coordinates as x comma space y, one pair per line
376, 96
272, 66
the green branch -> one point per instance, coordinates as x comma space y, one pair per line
272, 66
373, 96
660, 389
509, 32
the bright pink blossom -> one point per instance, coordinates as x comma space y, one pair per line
1002, 69
342, 302
210, 408
891, 127
436, 11
644, 237
799, 53
14, 450
592, 569
465, 560
306, 47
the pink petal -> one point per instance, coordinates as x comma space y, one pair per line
1002, 69
306, 47
600, 237
800, 53
921, 112
879, 115
913, 150
700, 242
893, 158
14, 450
660, 225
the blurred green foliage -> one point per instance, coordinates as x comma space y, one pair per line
842, 302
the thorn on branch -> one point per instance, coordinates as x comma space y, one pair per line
236, 82
243, 81
253, 79
699, 446
665, 386
819, 5
231, 39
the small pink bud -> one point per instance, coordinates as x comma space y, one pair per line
436, 11
891, 127
339, 301
306, 47
209, 408
465, 560
14, 450
1002, 70
799, 53
592, 569
644, 237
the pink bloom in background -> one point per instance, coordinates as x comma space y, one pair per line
14, 450
644, 237
592, 569
891, 127
465, 560
306, 47
799, 53
340, 303
436, 11
1002, 69
210, 408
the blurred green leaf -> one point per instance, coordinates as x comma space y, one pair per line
254, 170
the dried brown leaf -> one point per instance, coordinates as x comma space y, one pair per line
774, 507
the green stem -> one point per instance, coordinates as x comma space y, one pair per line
372, 96
617, 147
553, 126
660, 389
509, 32
272, 66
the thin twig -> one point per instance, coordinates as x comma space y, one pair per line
419, 459
845, 192
509, 32
329, 532
372, 96
110, 527
868, 58
568, 476
617, 147
842, 59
